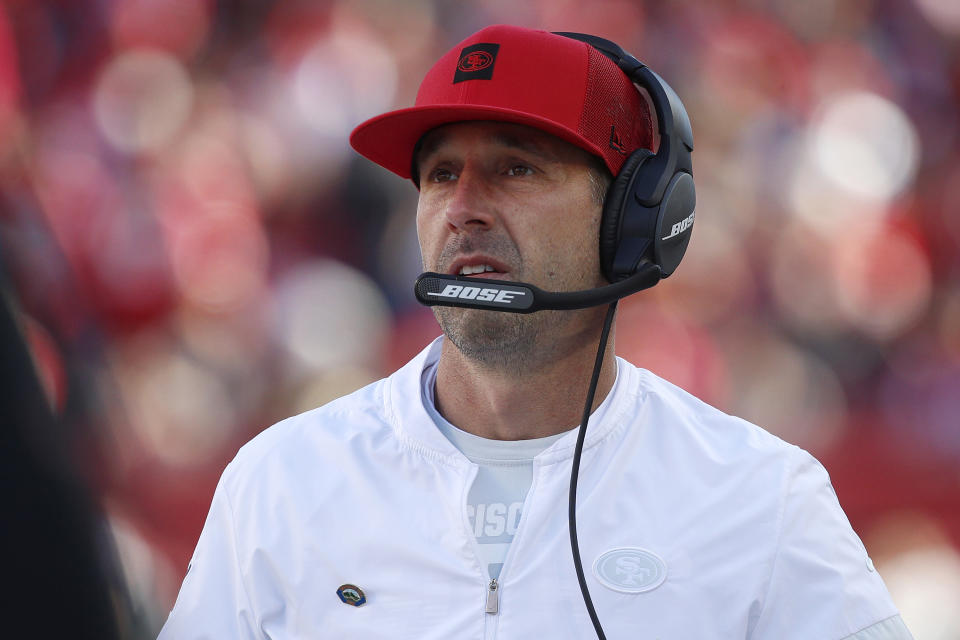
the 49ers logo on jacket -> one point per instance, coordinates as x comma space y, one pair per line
476, 62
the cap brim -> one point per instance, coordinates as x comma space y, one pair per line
389, 139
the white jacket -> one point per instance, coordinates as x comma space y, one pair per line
744, 528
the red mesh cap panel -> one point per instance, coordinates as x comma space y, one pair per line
615, 115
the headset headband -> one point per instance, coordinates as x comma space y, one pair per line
673, 123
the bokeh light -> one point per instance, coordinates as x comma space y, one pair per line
922, 572
220, 263
925, 584
858, 153
865, 144
166, 394
876, 281
882, 282
335, 88
801, 274
942, 14
142, 98
330, 315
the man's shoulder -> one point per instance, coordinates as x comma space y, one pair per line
355, 425
315, 434
677, 414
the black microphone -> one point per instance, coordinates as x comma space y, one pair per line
435, 289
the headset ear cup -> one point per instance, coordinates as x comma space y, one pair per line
613, 208
674, 222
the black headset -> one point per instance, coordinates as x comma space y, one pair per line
646, 223
649, 209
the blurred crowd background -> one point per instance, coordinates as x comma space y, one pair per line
196, 253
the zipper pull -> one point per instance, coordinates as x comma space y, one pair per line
493, 597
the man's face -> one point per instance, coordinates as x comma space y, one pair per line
506, 201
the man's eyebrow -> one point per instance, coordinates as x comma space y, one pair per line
527, 144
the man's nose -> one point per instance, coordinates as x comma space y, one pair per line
470, 207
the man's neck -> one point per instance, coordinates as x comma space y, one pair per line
506, 404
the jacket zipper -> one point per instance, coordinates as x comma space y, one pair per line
493, 597
492, 607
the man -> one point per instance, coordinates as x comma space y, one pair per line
432, 504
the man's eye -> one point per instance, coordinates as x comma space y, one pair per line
441, 175
519, 170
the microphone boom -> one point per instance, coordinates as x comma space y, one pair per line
435, 289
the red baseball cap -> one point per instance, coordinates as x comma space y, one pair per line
556, 84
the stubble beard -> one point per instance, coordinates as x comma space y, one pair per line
498, 340
512, 343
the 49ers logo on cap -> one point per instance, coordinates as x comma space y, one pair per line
476, 62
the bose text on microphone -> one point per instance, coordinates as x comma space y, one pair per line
435, 289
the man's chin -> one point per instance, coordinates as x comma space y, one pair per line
486, 336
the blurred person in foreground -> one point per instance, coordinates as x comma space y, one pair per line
433, 503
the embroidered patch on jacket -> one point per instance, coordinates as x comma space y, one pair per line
351, 594
630, 570
476, 62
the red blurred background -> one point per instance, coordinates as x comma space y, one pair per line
178, 200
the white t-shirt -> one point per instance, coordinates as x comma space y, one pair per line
504, 474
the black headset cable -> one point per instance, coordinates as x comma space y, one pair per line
575, 470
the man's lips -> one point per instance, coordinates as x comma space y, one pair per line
500, 270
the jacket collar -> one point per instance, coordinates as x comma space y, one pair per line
414, 426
